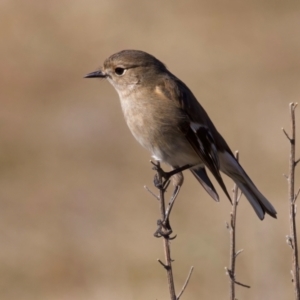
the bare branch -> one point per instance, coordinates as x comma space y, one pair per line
165, 266
242, 284
161, 182
232, 230
239, 197
291, 239
286, 134
186, 283
240, 251
231, 276
148, 190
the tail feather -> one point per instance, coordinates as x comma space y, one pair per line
259, 203
201, 175
231, 167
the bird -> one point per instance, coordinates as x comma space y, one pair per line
165, 117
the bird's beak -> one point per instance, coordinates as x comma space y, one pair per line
96, 74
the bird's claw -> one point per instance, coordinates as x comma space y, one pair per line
164, 230
157, 182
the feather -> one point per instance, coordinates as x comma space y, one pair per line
201, 175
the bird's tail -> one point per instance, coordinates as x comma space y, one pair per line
201, 175
231, 167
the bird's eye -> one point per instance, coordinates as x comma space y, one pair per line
120, 71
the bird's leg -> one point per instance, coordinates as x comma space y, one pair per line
166, 175
171, 203
177, 170
161, 181
164, 227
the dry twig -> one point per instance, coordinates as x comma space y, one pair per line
164, 228
292, 238
232, 230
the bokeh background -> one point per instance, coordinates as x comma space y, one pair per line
76, 222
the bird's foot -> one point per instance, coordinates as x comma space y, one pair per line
162, 178
164, 230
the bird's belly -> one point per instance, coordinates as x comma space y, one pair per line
166, 143
178, 152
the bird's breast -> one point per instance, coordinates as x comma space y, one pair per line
156, 127
142, 120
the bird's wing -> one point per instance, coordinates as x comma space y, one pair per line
211, 147
201, 139
197, 127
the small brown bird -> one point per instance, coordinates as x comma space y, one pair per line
166, 118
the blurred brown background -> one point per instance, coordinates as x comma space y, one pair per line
75, 220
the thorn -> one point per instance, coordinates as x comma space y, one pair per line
186, 283
172, 237
296, 162
242, 284
296, 196
289, 241
285, 176
286, 134
164, 265
238, 252
228, 272
148, 190
292, 273
231, 276
229, 227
